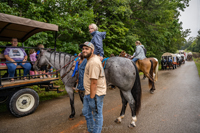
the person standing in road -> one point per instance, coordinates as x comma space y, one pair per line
97, 40
95, 89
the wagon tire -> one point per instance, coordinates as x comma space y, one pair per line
23, 102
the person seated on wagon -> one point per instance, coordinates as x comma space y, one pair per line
170, 59
139, 52
13, 55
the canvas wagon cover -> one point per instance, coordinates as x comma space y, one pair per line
21, 28
167, 54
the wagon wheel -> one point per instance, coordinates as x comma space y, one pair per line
23, 102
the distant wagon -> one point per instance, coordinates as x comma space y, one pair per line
179, 59
168, 60
189, 56
183, 55
183, 58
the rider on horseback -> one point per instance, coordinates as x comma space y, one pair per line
139, 52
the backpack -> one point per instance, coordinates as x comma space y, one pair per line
145, 51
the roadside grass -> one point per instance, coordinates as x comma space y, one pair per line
47, 95
197, 62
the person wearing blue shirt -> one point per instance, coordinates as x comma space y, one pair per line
97, 40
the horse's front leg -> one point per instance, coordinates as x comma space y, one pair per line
124, 105
81, 95
70, 92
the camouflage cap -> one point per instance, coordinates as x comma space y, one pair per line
89, 44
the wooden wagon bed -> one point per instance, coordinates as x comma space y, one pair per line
20, 83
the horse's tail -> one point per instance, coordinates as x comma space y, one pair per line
156, 71
151, 75
136, 91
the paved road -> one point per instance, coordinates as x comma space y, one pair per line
173, 108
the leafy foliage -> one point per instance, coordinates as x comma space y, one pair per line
153, 22
193, 44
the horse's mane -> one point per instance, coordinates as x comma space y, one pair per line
56, 52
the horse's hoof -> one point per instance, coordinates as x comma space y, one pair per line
131, 126
151, 91
71, 117
117, 121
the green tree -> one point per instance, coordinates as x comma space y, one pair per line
72, 17
154, 22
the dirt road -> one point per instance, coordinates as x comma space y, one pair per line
173, 108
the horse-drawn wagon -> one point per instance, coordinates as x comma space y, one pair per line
168, 60
183, 58
179, 59
189, 56
20, 99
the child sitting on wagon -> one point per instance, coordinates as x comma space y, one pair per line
32, 57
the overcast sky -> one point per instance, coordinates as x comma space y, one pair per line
191, 18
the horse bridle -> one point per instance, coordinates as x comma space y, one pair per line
39, 66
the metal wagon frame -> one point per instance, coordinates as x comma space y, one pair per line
21, 100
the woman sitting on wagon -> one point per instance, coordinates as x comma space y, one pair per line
13, 55
139, 52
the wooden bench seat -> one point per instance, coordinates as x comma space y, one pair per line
4, 67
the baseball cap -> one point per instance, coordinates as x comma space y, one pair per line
89, 44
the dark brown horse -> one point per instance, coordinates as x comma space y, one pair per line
149, 66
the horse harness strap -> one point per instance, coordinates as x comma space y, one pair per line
67, 72
60, 66
104, 62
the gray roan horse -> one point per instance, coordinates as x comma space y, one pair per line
119, 71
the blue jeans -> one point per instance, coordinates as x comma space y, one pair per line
89, 107
12, 67
134, 59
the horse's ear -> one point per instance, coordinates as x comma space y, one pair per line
48, 50
41, 51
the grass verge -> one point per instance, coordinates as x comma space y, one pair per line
197, 62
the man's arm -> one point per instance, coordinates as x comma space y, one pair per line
99, 45
9, 59
25, 58
93, 88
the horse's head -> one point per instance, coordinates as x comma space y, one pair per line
112, 55
122, 54
41, 60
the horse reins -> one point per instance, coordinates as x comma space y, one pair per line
60, 67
